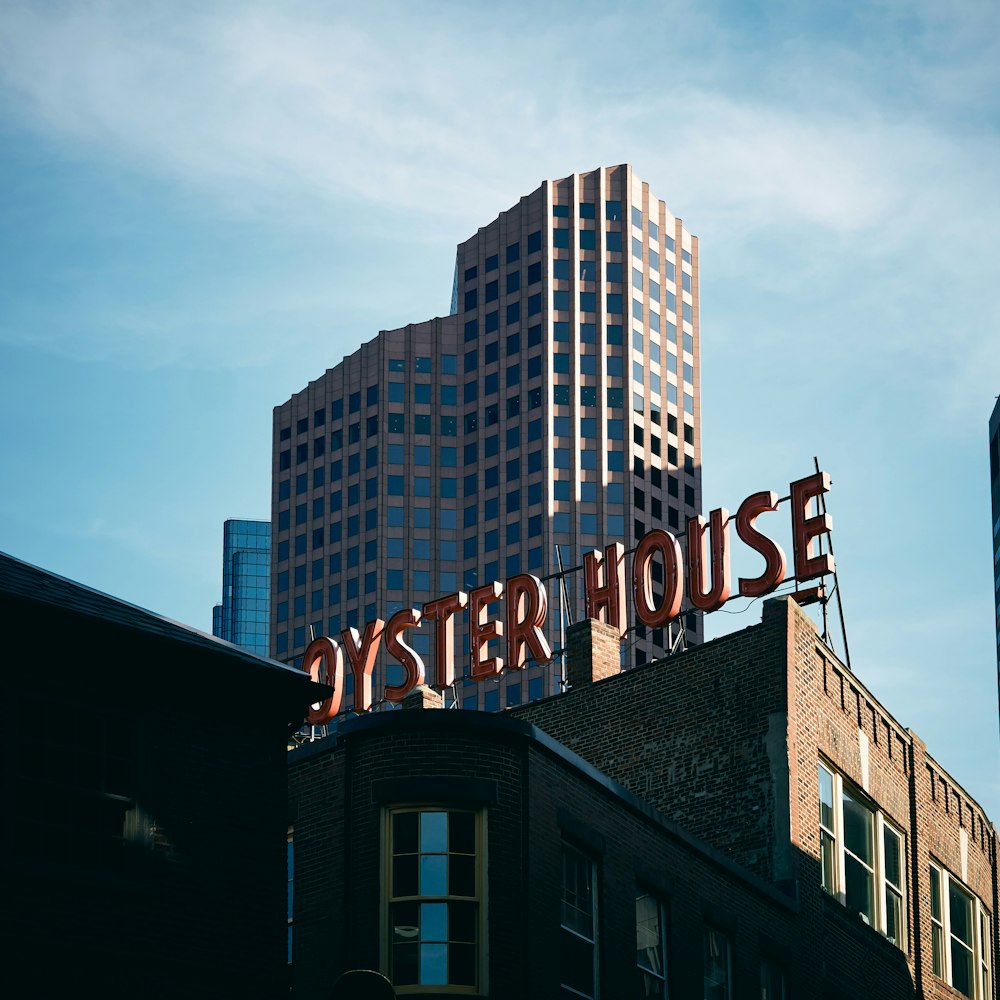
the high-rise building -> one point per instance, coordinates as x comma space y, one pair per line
556, 410
243, 617
995, 491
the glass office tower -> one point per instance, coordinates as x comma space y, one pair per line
243, 617
556, 410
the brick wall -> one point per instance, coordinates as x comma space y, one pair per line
695, 736
726, 739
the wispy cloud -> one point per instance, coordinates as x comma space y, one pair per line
420, 113
300, 111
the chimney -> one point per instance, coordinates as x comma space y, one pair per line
423, 696
593, 652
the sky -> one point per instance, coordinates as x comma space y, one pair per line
206, 205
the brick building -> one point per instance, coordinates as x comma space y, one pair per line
143, 781
743, 819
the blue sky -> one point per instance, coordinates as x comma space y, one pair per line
206, 205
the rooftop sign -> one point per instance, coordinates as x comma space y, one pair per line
706, 578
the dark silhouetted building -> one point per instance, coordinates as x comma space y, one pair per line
144, 792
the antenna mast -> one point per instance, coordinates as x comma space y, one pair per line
836, 585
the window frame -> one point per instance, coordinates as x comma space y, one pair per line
481, 986
843, 787
709, 929
980, 926
642, 971
588, 862
773, 974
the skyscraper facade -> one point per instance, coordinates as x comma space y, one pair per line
995, 492
556, 410
243, 617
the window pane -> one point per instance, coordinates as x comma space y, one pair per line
433, 832
857, 829
462, 833
960, 910
649, 937
827, 850
893, 917
892, 845
433, 875
961, 968
825, 798
577, 963
461, 875
716, 959
937, 949
462, 922
404, 875
462, 964
433, 964
404, 963
859, 888
772, 981
433, 921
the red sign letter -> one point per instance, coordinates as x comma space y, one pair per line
481, 631
714, 598
805, 528
652, 542
526, 609
442, 611
604, 586
412, 664
323, 660
362, 655
774, 558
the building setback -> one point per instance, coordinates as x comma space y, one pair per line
557, 406
243, 617
144, 786
743, 819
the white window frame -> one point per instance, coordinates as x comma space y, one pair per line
981, 944
879, 826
